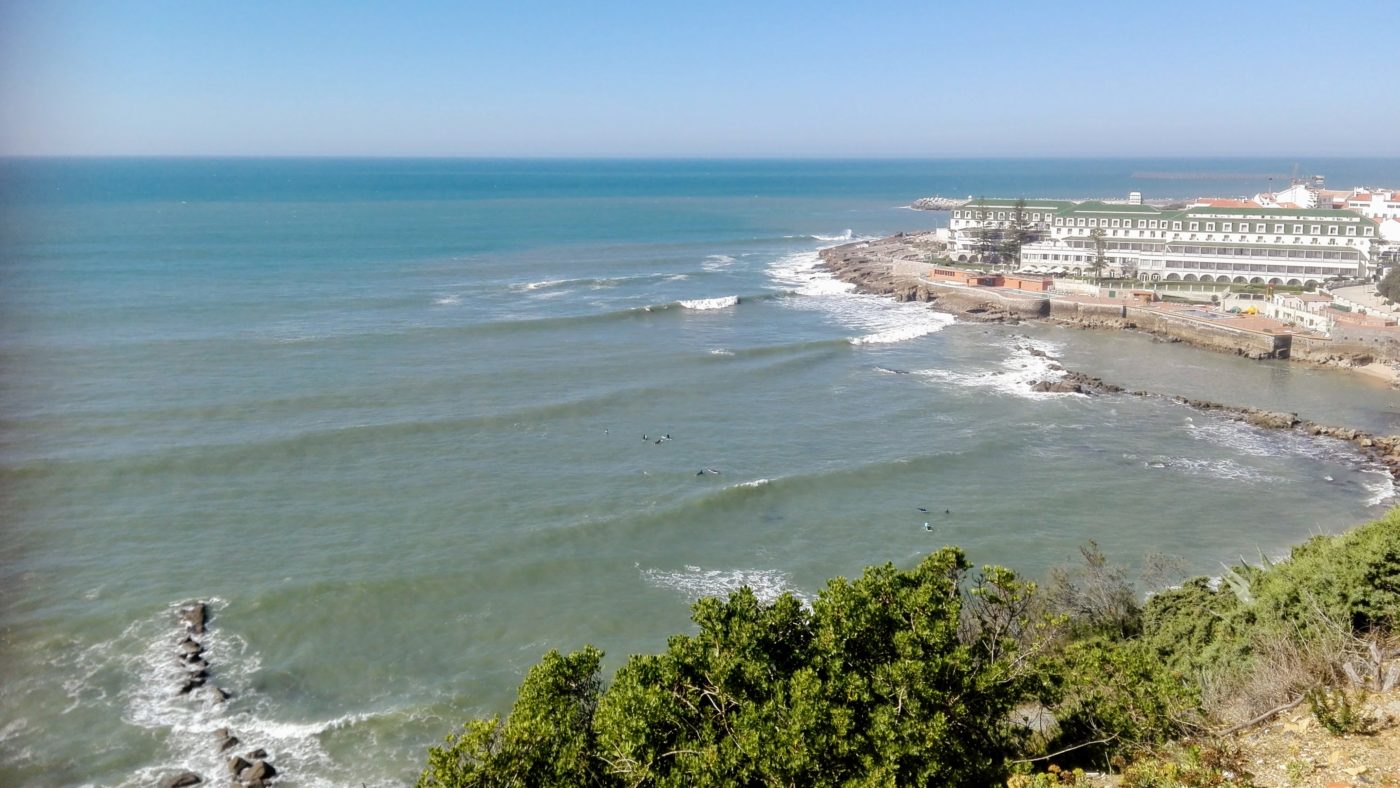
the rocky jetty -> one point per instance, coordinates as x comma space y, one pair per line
1382, 449
936, 204
250, 770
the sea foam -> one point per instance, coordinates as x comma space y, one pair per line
695, 582
879, 319
1014, 375
711, 303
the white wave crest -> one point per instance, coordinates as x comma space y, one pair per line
694, 582
755, 483
184, 722
719, 351
845, 236
448, 300
717, 262
881, 319
1382, 489
711, 303
901, 334
1014, 375
1216, 469
543, 283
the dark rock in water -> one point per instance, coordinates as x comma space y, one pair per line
1038, 353
226, 739
191, 647
191, 684
257, 755
1065, 386
1271, 419
194, 617
180, 780
196, 664
261, 770
199, 675
236, 766
219, 694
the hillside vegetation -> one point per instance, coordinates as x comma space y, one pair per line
942, 675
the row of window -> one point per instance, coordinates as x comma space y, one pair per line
1033, 216
1191, 265
1225, 227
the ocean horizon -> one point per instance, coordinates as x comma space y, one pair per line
406, 424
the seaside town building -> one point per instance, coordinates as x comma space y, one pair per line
1211, 241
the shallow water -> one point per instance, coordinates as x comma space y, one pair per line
389, 417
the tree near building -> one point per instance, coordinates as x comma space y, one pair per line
1015, 235
988, 235
1100, 260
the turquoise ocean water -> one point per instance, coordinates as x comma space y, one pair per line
387, 415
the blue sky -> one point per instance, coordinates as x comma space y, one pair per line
528, 78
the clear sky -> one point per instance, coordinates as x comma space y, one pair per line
711, 78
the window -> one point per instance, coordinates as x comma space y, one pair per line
1226, 227
1115, 222
1176, 225
1297, 229
1368, 230
1351, 231
1278, 228
1332, 230
1210, 227
1316, 229
1142, 224
1081, 222
1194, 226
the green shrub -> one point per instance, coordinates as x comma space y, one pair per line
879, 683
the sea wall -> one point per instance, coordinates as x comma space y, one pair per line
888, 267
1252, 344
1089, 314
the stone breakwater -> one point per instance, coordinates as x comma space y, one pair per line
1382, 449
250, 770
891, 266
936, 204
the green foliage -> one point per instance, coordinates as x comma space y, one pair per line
1115, 693
1096, 596
1339, 711
1389, 286
1188, 766
1051, 777
910, 677
882, 682
546, 741
1099, 260
1193, 628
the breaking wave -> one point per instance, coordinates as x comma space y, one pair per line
696, 583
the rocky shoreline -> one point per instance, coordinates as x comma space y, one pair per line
1381, 449
884, 267
871, 267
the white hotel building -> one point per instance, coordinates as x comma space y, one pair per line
1203, 243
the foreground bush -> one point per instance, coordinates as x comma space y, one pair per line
874, 685
912, 678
